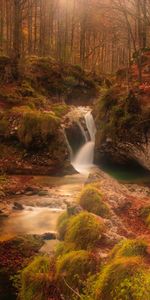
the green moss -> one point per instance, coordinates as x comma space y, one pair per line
92, 200
125, 279
129, 248
70, 81
37, 127
36, 279
26, 89
107, 100
84, 230
73, 269
60, 109
62, 224
63, 248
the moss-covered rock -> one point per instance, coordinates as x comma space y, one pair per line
128, 248
73, 269
36, 279
125, 279
64, 248
84, 230
36, 128
92, 200
62, 224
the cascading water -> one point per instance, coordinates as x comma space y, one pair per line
83, 161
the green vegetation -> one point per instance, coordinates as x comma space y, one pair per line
116, 114
62, 225
37, 128
60, 109
73, 269
92, 200
64, 248
84, 230
125, 279
127, 248
26, 90
36, 279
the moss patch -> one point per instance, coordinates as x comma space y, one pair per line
125, 279
36, 279
128, 248
92, 200
74, 268
84, 230
62, 225
37, 127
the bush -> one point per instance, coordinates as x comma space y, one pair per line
73, 269
125, 279
36, 279
62, 224
84, 230
92, 200
130, 248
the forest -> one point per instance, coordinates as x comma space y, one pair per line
74, 149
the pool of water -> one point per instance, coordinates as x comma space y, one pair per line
131, 173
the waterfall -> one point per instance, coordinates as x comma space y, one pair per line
83, 161
83, 131
68, 145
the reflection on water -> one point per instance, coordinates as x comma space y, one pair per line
37, 218
131, 173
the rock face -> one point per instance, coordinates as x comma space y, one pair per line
123, 131
125, 151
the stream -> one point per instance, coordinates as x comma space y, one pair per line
40, 212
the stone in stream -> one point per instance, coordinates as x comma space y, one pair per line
18, 206
49, 236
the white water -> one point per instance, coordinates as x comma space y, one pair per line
83, 161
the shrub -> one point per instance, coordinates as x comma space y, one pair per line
125, 279
36, 279
92, 200
73, 269
84, 230
62, 224
129, 248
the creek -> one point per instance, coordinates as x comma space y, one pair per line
40, 213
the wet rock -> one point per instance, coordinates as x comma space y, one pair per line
18, 206
43, 193
30, 191
49, 236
